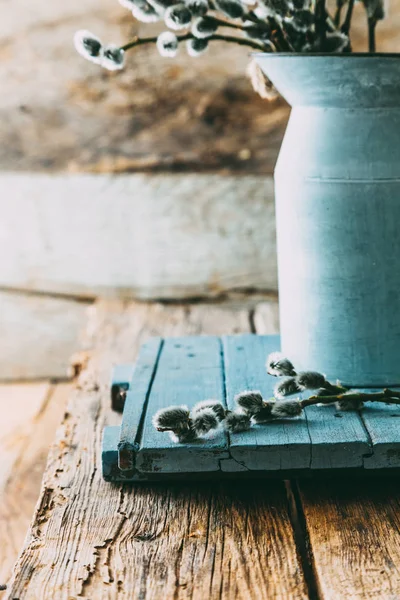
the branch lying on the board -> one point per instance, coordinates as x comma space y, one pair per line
206, 417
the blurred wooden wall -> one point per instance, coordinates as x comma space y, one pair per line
58, 112
153, 182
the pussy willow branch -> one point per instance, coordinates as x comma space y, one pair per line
188, 36
338, 14
347, 21
277, 35
320, 21
371, 34
387, 396
280, 39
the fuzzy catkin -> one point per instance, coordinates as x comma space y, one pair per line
112, 57
278, 365
215, 405
235, 422
167, 44
287, 387
196, 47
301, 20
233, 9
204, 27
144, 12
265, 414
88, 45
375, 9
173, 418
310, 380
264, 88
250, 401
161, 5
286, 408
204, 421
183, 437
178, 16
198, 8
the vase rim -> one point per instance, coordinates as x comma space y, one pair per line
328, 54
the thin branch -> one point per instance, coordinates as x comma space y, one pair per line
239, 41
279, 39
188, 36
347, 22
338, 14
137, 41
387, 396
371, 34
320, 22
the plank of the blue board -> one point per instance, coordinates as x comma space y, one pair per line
382, 422
189, 370
338, 439
120, 381
135, 403
279, 445
109, 459
109, 451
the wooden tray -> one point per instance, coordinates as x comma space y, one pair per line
187, 370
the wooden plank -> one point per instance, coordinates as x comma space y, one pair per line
120, 383
382, 424
279, 445
189, 363
20, 406
337, 440
353, 529
136, 402
31, 414
92, 539
68, 227
38, 334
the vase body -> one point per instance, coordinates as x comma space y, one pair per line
337, 194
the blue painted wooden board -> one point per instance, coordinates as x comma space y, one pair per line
275, 446
188, 370
382, 423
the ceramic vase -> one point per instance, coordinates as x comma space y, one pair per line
337, 185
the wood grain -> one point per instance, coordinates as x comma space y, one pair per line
353, 529
38, 333
185, 363
94, 540
146, 236
349, 529
31, 414
381, 423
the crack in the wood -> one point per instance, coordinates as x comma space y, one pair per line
221, 297
369, 454
302, 539
178, 560
231, 458
102, 557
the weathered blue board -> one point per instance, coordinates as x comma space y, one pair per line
188, 370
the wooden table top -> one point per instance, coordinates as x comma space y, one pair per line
318, 539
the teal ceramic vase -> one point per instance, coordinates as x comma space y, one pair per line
337, 184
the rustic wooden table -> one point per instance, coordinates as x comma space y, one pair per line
263, 539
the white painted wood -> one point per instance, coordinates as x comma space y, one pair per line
38, 335
146, 236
